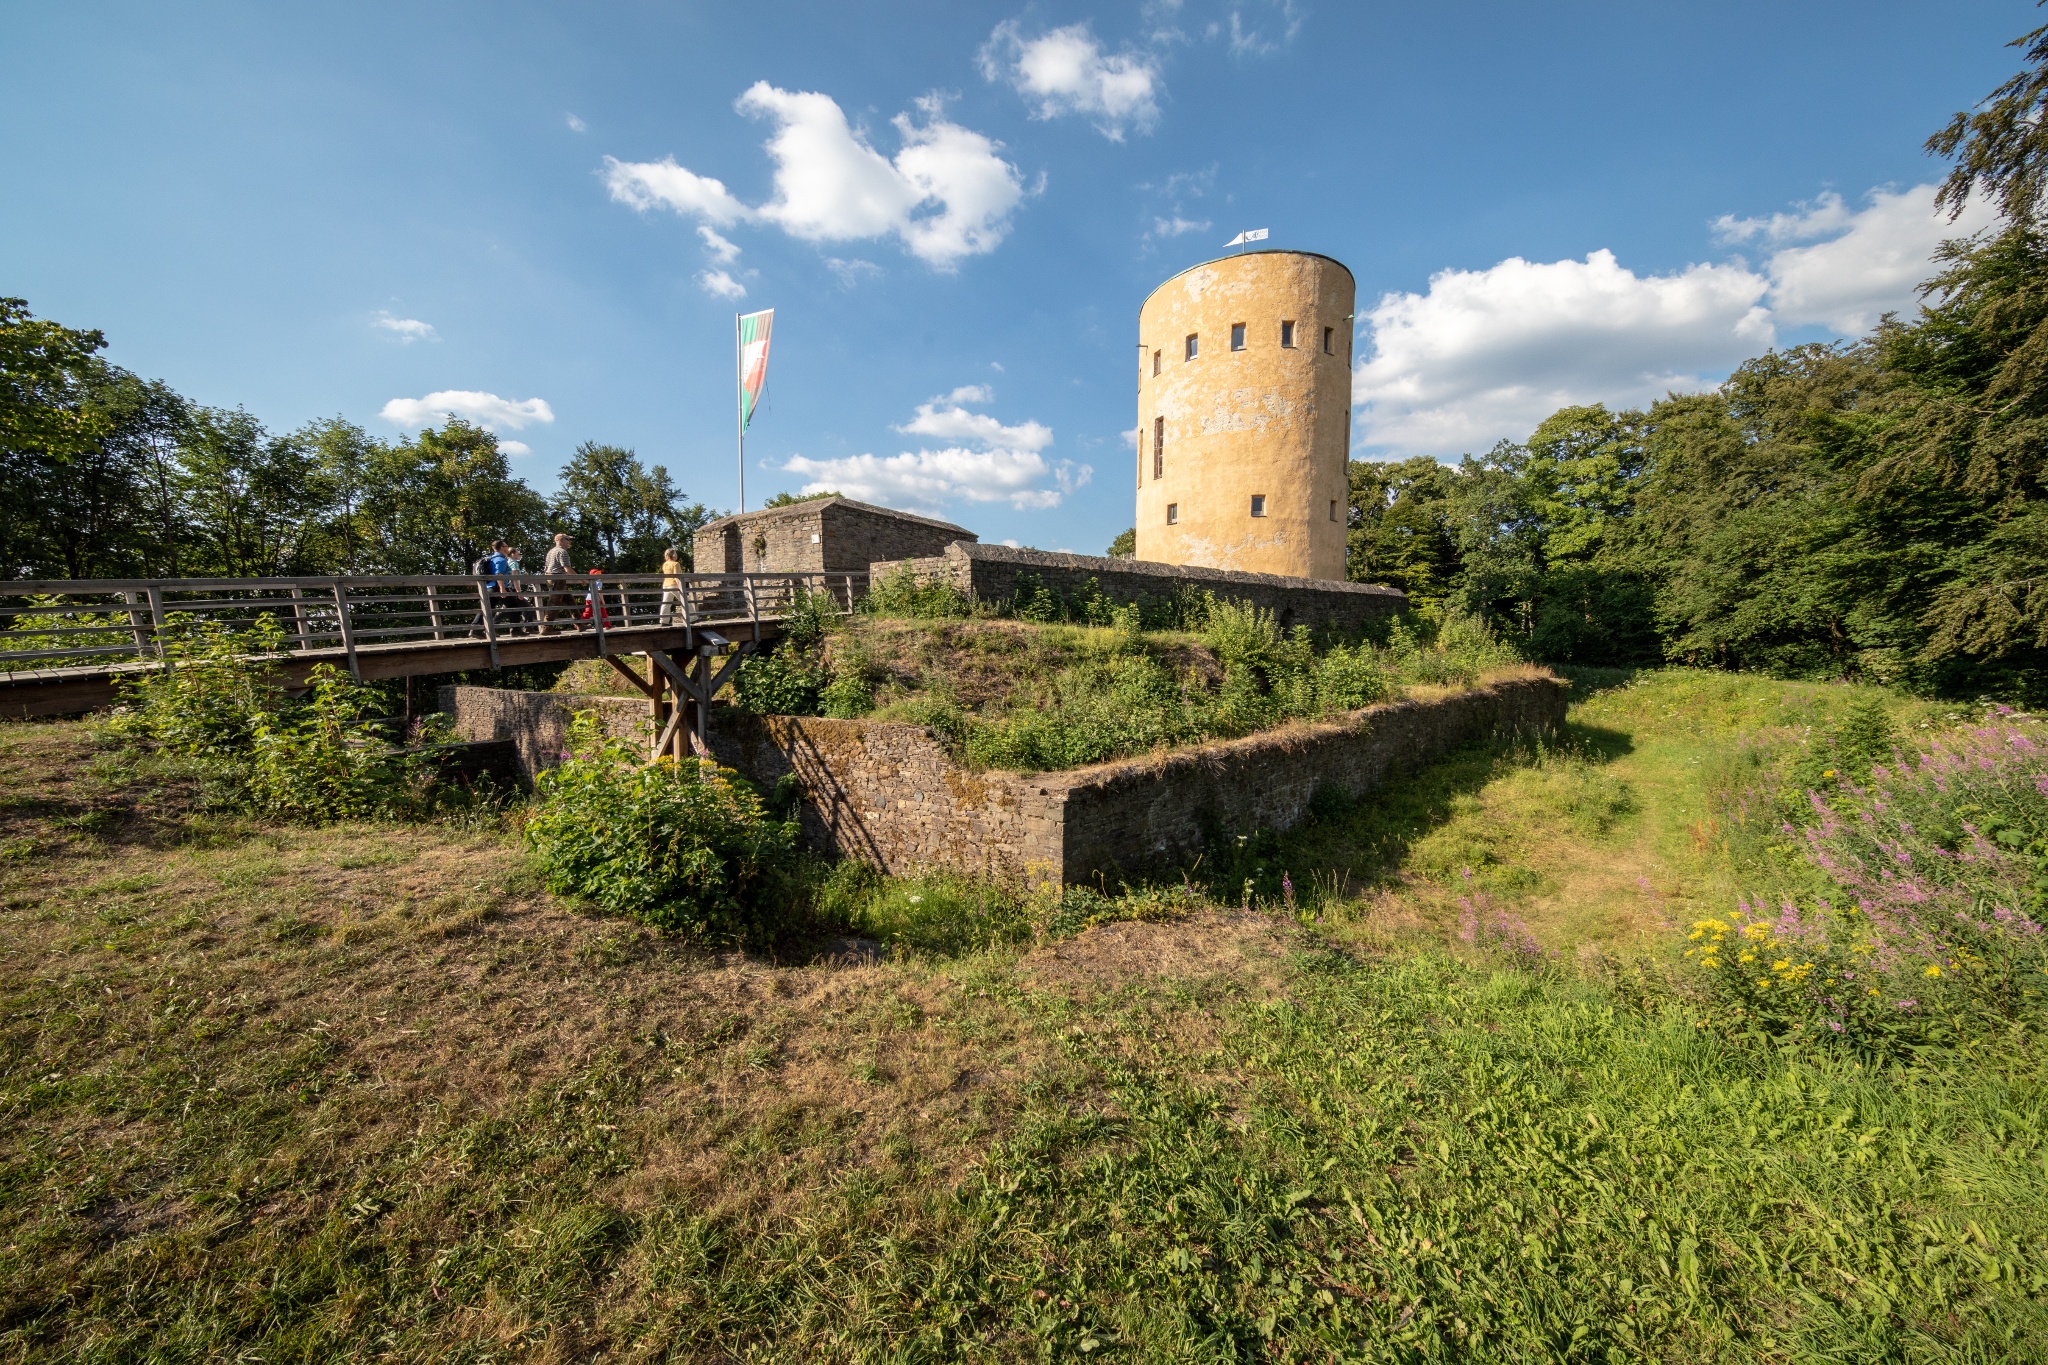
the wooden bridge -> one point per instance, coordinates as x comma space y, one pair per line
65, 645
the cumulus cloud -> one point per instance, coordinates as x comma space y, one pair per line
577, 125
987, 462
1065, 71
1870, 261
720, 284
1490, 353
408, 330
722, 251
484, 409
946, 194
515, 447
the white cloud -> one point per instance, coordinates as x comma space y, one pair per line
987, 462
1872, 262
408, 330
721, 284
663, 184
1177, 225
851, 272
946, 194
484, 409
576, 125
722, 251
1065, 71
515, 447
1490, 353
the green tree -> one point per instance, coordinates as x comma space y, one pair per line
248, 496
623, 513
432, 505
1125, 545
343, 458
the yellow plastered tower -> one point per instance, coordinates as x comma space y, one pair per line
1244, 415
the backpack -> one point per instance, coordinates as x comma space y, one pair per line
482, 568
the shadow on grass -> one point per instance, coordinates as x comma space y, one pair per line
1347, 846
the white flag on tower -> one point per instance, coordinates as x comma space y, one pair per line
1255, 235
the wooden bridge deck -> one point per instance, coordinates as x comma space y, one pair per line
66, 645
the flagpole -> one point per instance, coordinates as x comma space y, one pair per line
740, 405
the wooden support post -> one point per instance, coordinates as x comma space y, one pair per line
156, 617
483, 597
135, 626
348, 634
753, 608
434, 607
299, 617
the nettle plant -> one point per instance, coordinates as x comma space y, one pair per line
1939, 870
684, 846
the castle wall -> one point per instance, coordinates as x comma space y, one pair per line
890, 795
990, 573
1270, 421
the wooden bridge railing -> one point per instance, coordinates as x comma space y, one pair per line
66, 625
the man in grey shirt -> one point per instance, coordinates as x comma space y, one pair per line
559, 595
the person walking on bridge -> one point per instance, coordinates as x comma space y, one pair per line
672, 585
559, 597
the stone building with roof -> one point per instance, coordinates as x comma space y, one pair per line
820, 535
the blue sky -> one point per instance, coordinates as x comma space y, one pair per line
956, 209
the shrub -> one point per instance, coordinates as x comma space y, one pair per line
1931, 929
778, 684
903, 593
684, 846
324, 760
211, 696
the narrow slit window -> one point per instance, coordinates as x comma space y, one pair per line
1172, 513
1329, 341
1333, 509
1287, 335
1237, 336
1155, 362
1258, 504
1158, 447
1194, 345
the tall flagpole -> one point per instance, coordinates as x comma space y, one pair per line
740, 404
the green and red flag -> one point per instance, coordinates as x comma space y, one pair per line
754, 329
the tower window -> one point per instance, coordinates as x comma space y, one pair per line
1194, 345
1333, 509
1173, 514
1155, 362
1329, 340
1158, 447
1287, 335
1258, 504
1237, 336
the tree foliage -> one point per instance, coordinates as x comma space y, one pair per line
104, 474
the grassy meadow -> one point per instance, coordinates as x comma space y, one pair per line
367, 1092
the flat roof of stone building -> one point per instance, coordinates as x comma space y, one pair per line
819, 504
1060, 559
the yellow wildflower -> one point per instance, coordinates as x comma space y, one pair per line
1933, 970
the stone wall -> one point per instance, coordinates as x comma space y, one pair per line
989, 573
836, 535
890, 796
537, 723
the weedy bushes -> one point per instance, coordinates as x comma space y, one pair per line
218, 707
683, 846
1936, 877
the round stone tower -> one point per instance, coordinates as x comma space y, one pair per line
1244, 415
